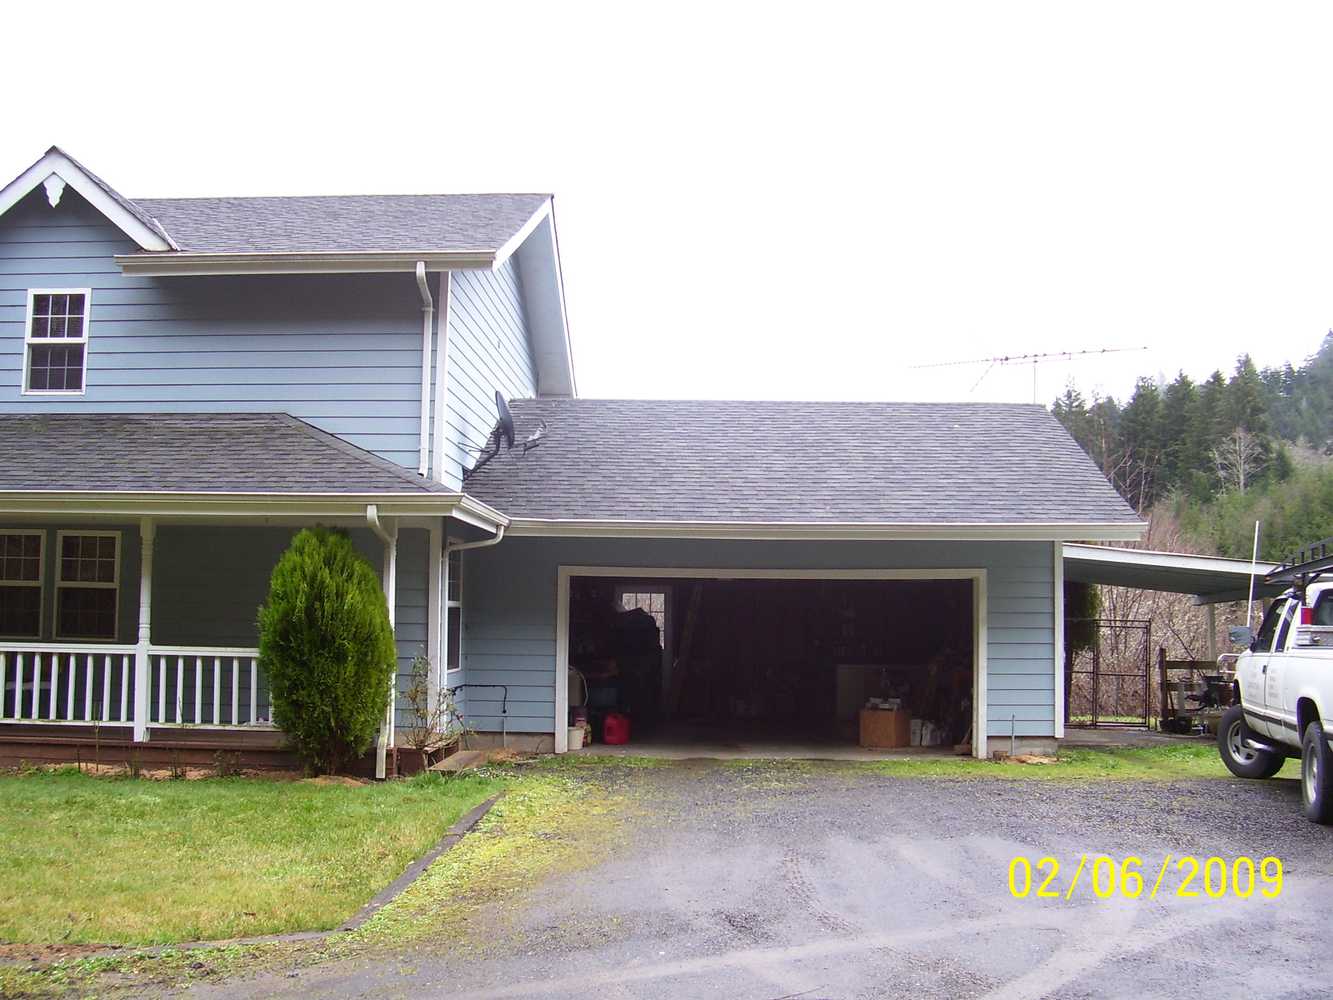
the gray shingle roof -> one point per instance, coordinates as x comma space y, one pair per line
444, 223
202, 452
755, 462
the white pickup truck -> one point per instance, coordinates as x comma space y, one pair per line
1284, 686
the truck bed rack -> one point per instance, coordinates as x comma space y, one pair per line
1303, 566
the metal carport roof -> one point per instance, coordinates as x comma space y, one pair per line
1210, 579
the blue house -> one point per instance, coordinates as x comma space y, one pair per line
185, 382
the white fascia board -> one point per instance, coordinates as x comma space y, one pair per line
55, 162
1165, 560
225, 505
163, 265
542, 281
538, 527
524, 231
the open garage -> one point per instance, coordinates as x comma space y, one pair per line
775, 657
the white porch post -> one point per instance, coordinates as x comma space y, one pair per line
388, 534
391, 596
436, 590
147, 536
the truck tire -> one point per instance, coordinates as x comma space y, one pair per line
1243, 761
1316, 774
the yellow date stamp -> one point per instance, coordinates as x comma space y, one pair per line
1184, 876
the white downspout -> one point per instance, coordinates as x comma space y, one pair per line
427, 322
485, 542
442, 374
389, 582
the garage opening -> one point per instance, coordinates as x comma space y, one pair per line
773, 660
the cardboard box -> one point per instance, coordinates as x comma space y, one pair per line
885, 728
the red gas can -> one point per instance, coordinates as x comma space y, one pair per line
615, 728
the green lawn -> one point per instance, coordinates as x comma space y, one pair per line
133, 861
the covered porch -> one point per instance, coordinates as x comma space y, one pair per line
128, 617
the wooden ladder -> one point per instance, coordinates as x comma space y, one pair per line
681, 667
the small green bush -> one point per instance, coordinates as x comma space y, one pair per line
327, 647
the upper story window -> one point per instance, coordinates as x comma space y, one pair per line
56, 358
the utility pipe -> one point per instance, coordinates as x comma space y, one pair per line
442, 374
388, 583
427, 322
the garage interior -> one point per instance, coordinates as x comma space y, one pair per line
784, 660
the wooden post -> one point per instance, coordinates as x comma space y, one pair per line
1161, 673
142, 683
1210, 644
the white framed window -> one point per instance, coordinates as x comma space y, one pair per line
453, 614
55, 349
22, 573
87, 585
631, 598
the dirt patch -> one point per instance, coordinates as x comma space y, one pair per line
336, 779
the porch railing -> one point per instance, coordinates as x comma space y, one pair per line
207, 688
188, 686
44, 682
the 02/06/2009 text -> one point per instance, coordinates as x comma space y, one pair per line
1185, 876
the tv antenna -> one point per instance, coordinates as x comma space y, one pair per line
1023, 359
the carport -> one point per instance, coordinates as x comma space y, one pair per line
1211, 580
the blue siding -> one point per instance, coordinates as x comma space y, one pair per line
510, 612
489, 350
341, 351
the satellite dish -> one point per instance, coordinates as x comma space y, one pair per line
506, 424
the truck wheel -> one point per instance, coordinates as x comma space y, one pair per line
1243, 761
1316, 774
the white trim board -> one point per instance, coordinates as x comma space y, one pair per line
56, 163
979, 620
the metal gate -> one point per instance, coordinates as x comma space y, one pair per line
1108, 682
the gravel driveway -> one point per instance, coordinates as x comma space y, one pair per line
823, 881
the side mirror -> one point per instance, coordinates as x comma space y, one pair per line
1241, 635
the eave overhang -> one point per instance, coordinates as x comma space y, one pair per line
341, 262
823, 531
215, 506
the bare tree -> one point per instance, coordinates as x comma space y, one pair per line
1238, 459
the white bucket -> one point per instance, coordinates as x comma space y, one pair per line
576, 737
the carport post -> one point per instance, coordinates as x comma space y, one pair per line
1210, 642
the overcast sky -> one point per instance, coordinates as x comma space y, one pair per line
771, 201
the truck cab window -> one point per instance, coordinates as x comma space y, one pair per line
1323, 609
1288, 616
1263, 642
